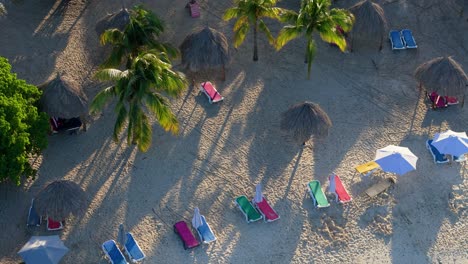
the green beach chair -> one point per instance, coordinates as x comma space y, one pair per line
317, 194
251, 214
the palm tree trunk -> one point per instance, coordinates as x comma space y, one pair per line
255, 56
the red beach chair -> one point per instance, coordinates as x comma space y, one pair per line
54, 225
181, 228
336, 187
210, 91
268, 213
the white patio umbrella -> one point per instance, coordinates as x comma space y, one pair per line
395, 159
43, 249
258, 193
197, 220
450, 142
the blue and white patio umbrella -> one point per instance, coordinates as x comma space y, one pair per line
396, 159
452, 143
43, 250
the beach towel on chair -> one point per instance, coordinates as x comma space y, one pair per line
317, 194
54, 225
336, 187
251, 214
194, 9
210, 91
268, 213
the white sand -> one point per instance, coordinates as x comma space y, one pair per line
223, 150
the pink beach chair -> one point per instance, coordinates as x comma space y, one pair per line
181, 228
336, 187
54, 225
268, 213
194, 9
210, 91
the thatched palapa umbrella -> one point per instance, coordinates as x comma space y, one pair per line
370, 23
64, 98
205, 50
443, 75
118, 20
61, 198
305, 120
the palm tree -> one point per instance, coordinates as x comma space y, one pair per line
140, 91
250, 13
315, 15
140, 34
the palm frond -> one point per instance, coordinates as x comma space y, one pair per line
101, 99
160, 108
231, 13
287, 34
263, 27
111, 36
109, 74
120, 121
239, 35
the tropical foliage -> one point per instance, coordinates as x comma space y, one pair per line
249, 13
140, 34
23, 129
315, 15
141, 90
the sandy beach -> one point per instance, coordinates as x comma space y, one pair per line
224, 149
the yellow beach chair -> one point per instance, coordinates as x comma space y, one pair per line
367, 168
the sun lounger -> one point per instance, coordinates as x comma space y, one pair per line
459, 159
436, 155
133, 250
251, 214
336, 187
396, 40
54, 225
268, 213
205, 233
408, 39
379, 187
317, 194
113, 253
194, 9
188, 239
33, 218
367, 168
210, 91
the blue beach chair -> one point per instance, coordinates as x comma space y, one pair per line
205, 233
396, 40
408, 38
133, 250
113, 253
436, 155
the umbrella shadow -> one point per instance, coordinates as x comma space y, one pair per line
422, 204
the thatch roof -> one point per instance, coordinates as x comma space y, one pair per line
443, 75
3, 10
63, 98
204, 50
370, 22
118, 20
305, 120
61, 198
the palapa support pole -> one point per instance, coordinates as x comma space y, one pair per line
83, 120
